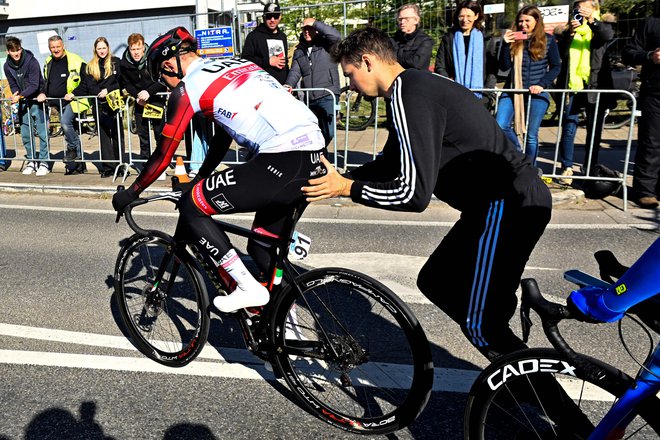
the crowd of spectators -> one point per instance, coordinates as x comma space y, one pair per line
574, 58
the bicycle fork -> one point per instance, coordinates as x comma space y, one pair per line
613, 426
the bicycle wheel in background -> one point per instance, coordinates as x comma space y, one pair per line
168, 321
362, 110
512, 399
353, 352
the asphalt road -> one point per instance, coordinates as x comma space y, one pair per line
66, 371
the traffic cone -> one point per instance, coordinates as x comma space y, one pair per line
180, 171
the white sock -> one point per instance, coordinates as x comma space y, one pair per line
248, 293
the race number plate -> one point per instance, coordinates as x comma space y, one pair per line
299, 248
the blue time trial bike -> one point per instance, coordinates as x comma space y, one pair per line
557, 393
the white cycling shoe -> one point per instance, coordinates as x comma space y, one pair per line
240, 299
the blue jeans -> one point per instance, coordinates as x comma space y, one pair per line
67, 121
324, 109
537, 109
570, 126
3, 147
32, 116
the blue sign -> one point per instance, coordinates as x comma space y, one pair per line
215, 42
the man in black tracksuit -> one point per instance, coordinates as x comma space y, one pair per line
644, 49
443, 142
266, 46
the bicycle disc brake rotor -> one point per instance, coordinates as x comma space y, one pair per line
153, 306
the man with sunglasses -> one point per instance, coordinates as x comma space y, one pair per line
266, 45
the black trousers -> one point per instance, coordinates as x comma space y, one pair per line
475, 271
647, 158
111, 135
143, 131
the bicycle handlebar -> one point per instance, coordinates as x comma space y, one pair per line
172, 196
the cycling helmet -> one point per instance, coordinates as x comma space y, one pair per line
599, 189
167, 46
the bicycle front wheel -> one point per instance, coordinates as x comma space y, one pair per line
352, 351
539, 394
162, 300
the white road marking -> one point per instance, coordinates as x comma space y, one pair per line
651, 225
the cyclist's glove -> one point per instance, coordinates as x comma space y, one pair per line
122, 198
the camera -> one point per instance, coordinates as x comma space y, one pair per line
576, 16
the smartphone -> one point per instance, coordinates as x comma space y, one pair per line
520, 35
577, 16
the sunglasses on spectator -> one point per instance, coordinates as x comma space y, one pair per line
272, 16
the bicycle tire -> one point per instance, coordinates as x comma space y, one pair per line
362, 114
171, 328
382, 378
132, 122
498, 413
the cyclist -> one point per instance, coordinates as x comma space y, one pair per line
249, 106
442, 141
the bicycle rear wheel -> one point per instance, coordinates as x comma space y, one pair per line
358, 112
167, 319
352, 351
539, 394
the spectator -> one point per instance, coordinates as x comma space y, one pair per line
102, 77
465, 54
412, 46
136, 80
312, 63
532, 58
25, 82
267, 47
585, 65
443, 142
644, 49
62, 74
4, 164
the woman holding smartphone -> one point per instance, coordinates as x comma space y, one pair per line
533, 59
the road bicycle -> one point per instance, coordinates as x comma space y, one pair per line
358, 112
350, 350
548, 393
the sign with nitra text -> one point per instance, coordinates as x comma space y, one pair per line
215, 42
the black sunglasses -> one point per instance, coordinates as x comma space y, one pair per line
272, 16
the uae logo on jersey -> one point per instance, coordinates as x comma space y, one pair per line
221, 202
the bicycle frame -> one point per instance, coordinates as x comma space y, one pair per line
255, 337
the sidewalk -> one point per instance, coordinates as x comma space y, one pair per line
362, 146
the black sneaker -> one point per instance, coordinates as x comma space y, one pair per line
70, 155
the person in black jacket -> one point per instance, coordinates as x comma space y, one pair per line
102, 77
313, 66
26, 82
266, 46
443, 142
644, 49
136, 80
412, 46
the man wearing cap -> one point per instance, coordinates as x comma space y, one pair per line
266, 46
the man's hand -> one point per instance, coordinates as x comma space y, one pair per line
16, 97
277, 61
308, 22
331, 185
121, 199
41, 97
143, 96
69, 97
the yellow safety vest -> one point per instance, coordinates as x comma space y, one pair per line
74, 63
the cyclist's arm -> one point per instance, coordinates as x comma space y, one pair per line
179, 114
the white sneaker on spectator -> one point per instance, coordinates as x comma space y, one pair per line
43, 169
192, 174
30, 168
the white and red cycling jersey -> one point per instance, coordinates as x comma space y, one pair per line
248, 103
